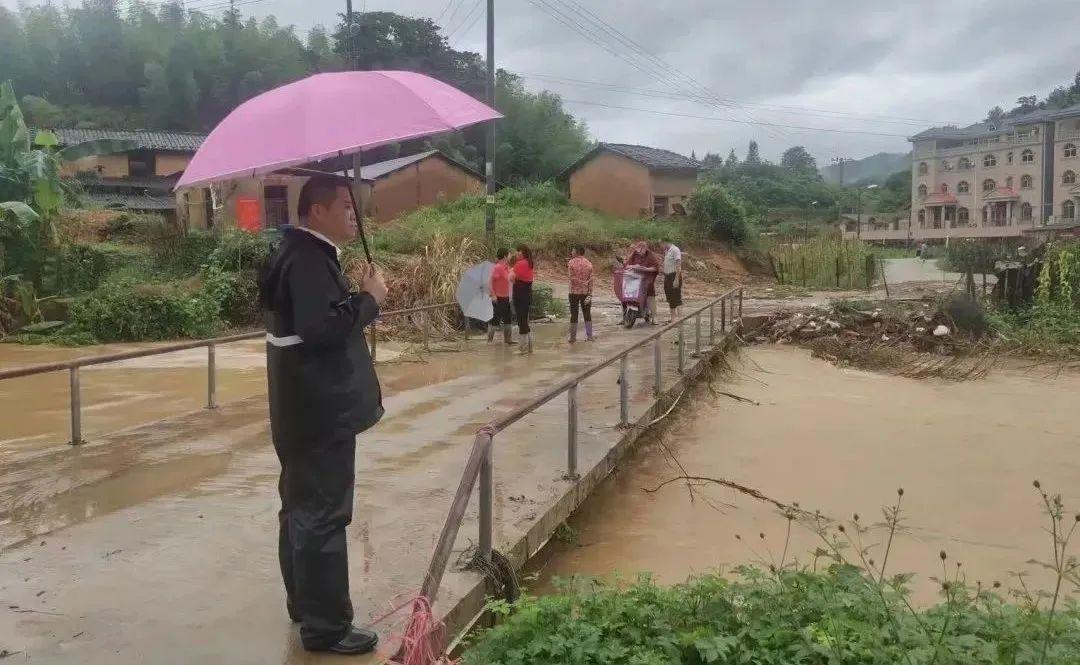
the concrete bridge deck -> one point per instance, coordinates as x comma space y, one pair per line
157, 544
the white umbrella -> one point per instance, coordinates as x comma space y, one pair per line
473, 294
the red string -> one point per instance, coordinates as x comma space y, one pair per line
421, 638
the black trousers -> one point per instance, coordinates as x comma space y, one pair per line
579, 300
522, 302
502, 312
316, 488
672, 292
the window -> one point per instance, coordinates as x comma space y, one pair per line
989, 185
1025, 182
964, 164
1027, 156
944, 188
1070, 150
922, 191
1009, 182
141, 163
1009, 158
963, 187
963, 216
923, 168
660, 206
276, 204
1069, 178
922, 218
990, 160
1025, 212
1068, 210
946, 165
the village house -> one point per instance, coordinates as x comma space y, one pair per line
632, 180
141, 179
994, 179
389, 189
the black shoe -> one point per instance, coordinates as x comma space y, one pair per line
356, 641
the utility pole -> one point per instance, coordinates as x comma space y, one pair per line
349, 35
489, 151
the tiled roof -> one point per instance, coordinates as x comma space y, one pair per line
1001, 194
150, 140
379, 169
985, 128
654, 158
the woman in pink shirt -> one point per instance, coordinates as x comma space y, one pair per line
522, 296
581, 283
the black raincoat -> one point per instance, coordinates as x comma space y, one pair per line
323, 392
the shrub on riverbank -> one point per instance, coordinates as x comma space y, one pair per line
837, 616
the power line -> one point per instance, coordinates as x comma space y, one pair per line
450, 18
638, 48
443, 12
777, 108
637, 56
465, 20
462, 34
742, 122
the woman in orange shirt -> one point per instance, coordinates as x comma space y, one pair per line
522, 296
499, 287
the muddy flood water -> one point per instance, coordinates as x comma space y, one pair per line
841, 441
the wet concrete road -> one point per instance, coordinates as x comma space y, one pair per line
157, 544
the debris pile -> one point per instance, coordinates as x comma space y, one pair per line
917, 338
921, 326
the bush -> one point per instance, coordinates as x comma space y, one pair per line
83, 268
132, 311
974, 256
717, 210
544, 302
185, 254
140, 229
236, 294
238, 251
840, 616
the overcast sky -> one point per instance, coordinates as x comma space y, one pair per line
879, 67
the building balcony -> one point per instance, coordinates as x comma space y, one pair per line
1068, 136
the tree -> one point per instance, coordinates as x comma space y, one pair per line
995, 115
693, 155
712, 161
798, 159
752, 154
732, 160
715, 208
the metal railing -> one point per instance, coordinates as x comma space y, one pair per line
73, 366
479, 465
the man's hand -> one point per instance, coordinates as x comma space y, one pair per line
375, 285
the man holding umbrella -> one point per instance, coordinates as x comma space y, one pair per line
323, 392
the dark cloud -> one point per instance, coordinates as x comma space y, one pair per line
838, 61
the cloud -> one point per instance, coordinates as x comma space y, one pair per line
887, 69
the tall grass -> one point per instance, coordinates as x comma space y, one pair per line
538, 215
825, 263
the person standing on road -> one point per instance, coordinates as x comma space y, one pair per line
523, 281
499, 287
323, 391
673, 277
581, 286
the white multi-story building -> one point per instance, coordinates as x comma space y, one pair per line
993, 180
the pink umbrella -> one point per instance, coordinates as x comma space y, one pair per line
328, 115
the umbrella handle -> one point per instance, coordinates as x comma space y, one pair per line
359, 224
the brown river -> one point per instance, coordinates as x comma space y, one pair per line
841, 441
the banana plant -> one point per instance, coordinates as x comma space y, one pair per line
31, 188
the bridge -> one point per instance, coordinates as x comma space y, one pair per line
157, 543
